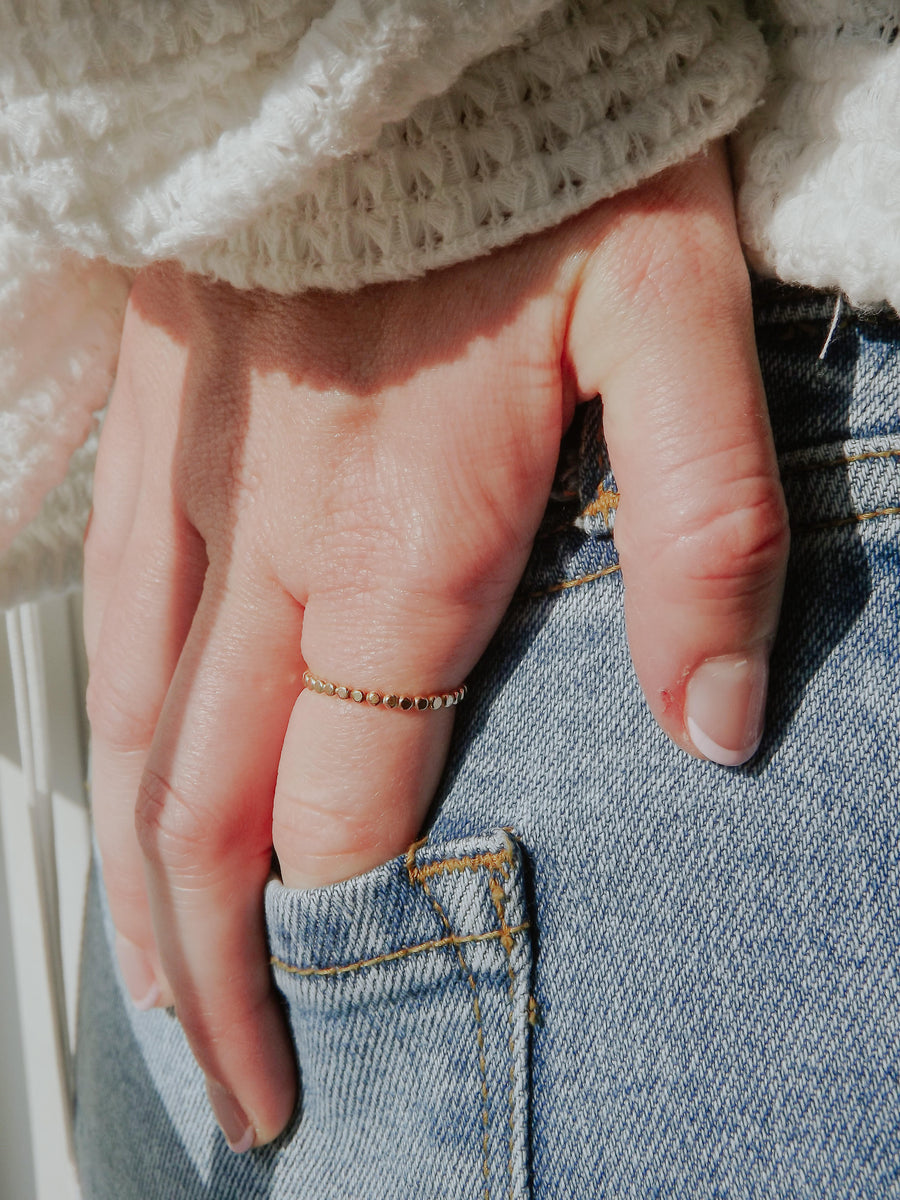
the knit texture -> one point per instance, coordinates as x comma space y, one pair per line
593, 99
47, 556
288, 145
61, 319
137, 130
293, 145
819, 162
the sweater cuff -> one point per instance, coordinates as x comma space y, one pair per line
825, 148
595, 99
47, 556
60, 324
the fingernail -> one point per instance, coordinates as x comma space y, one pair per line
725, 706
239, 1133
138, 974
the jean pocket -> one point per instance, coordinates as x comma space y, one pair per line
408, 993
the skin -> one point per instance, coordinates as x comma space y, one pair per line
353, 482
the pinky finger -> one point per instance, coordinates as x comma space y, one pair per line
145, 620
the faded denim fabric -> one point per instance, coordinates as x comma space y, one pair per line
610, 971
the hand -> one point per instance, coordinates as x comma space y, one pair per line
353, 482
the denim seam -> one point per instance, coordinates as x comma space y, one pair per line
495, 860
806, 527
497, 864
605, 502
498, 896
845, 460
455, 939
553, 588
812, 527
855, 519
479, 1035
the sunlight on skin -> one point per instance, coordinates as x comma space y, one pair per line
353, 483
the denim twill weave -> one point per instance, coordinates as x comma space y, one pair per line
712, 954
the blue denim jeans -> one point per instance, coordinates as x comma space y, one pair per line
610, 970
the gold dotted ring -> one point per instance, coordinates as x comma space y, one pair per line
342, 691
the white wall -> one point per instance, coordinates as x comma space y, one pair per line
42, 800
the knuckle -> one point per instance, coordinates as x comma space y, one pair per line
303, 824
663, 252
324, 840
170, 830
745, 541
188, 833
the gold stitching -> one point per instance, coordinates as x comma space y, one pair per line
571, 583
606, 502
499, 862
492, 861
455, 939
498, 896
800, 468
854, 520
804, 528
479, 1037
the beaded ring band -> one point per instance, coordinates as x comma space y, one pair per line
383, 699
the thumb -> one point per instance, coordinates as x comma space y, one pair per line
701, 526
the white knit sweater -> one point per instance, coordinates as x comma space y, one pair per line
299, 143
819, 160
